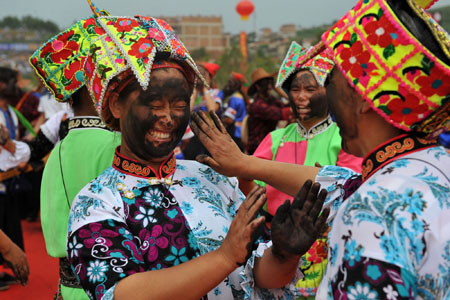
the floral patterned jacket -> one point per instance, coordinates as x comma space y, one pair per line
391, 238
133, 219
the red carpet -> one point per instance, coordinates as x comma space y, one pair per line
43, 280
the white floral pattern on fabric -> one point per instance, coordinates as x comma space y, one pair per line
399, 217
206, 200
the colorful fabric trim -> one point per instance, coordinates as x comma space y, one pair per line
392, 150
59, 62
316, 129
132, 167
401, 79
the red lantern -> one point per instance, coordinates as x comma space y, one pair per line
245, 8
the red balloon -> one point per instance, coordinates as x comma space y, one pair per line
245, 9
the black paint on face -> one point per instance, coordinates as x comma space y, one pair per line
340, 99
157, 118
307, 98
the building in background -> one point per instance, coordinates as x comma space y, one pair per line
198, 32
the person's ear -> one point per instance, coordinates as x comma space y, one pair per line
364, 107
115, 106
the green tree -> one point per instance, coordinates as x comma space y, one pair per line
10, 22
200, 54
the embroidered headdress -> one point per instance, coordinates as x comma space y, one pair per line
132, 46
403, 80
59, 62
298, 58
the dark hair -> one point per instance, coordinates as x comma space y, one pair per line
10, 90
76, 99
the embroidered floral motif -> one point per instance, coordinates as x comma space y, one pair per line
354, 58
60, 61
403, 82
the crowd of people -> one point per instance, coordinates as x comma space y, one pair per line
327, 180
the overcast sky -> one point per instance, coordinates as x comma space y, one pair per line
268, 13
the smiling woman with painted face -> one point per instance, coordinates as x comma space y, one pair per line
314, 138
151, 227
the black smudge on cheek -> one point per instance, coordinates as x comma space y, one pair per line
136, 129
318, 104
293, 107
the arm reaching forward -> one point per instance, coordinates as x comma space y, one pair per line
227, 159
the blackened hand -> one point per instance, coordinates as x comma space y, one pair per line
226, 157
237, 246
296, 226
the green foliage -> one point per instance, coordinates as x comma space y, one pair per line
11, 22
200, 54
230, 61
30, 23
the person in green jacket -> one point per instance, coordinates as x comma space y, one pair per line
83, 154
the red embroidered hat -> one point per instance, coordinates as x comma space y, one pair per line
404, 81
132, 45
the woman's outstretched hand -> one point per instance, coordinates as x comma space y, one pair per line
226, 157
296, 226
237, 246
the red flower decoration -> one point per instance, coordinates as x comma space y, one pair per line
434, 84
74, 72
97, 87
156, 34
163, 24
142, 48
354, 58
382, 32
179, 49
91, 24
125, 25
61, 48
318, 252
379, 32
408, 111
